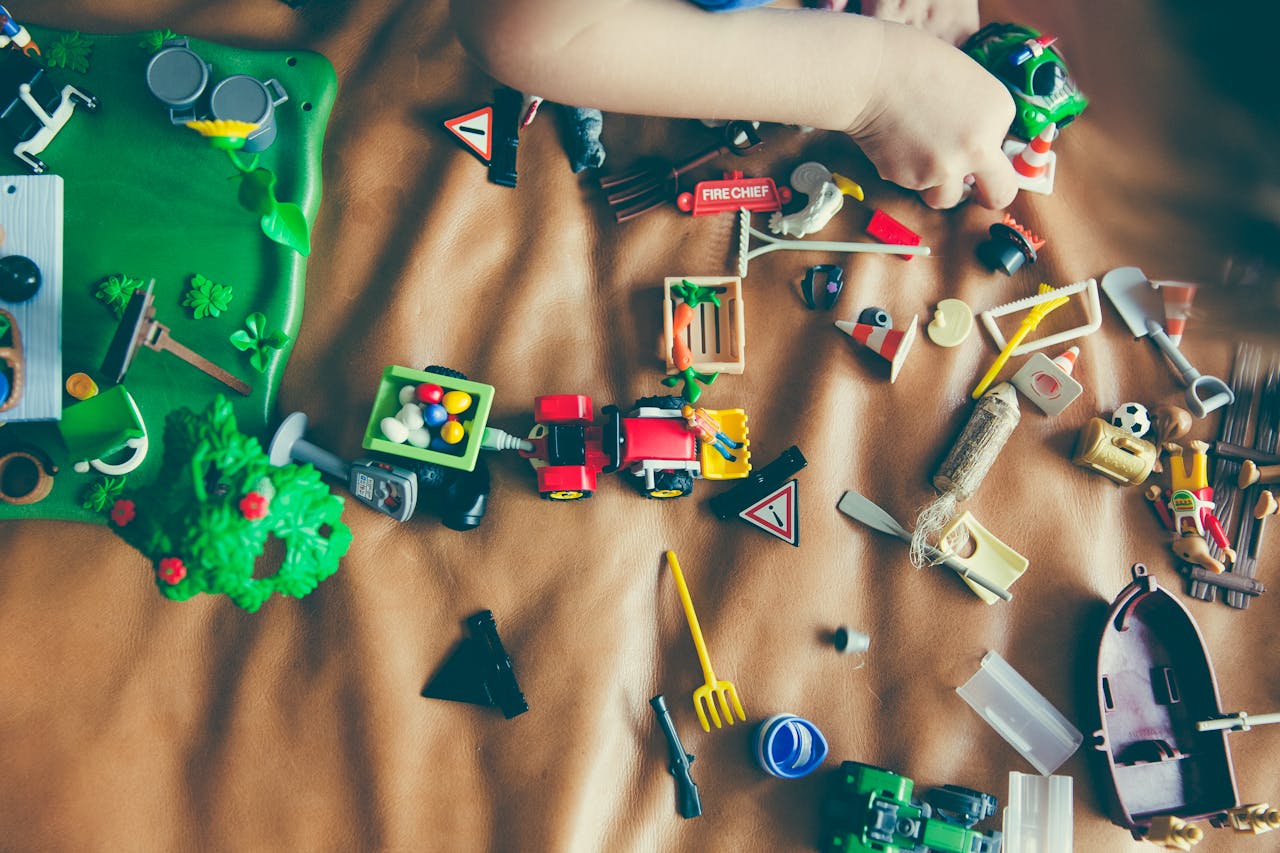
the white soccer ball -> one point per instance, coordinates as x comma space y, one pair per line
1133, 418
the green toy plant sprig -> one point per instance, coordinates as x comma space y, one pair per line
206, 298
260, 341
154, 40
282, 221
116, 291
69, 50
100, 496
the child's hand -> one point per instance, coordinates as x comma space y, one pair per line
934, 118
950, 20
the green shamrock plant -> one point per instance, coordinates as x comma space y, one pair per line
116, 291
70, 50
258, 341
206, 298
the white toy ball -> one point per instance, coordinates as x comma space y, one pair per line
1133, 418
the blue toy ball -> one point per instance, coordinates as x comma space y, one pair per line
434, 414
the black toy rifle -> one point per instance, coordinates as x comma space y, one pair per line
686, 788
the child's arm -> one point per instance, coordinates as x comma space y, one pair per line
923, 112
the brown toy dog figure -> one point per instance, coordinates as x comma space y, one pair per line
1195, 550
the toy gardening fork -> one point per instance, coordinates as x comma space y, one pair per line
724, 691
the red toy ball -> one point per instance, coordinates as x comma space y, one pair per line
428, 393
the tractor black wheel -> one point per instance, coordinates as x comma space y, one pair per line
964, 806
664, 402
444, 371
669, 485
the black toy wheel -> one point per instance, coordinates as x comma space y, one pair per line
432, 477
664, 402
669, 485
964, 806
444, 371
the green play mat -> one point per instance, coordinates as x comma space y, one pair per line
148, 199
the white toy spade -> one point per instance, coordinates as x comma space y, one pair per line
1138, 303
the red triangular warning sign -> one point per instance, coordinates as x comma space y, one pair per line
778, 513
475, 129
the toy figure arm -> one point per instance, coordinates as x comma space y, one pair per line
1154, 495
924, 113
1214, 528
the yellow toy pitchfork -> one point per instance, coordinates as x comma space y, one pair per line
724, 691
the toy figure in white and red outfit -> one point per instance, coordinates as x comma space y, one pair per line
1189, 510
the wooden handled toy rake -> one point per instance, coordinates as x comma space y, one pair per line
723, 691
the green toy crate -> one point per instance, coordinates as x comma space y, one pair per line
387, 403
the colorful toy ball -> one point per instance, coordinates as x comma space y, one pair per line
452, 432
434, 414
456, 402
1133, 418
428, 393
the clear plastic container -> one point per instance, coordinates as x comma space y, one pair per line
1038, 817
1023, 717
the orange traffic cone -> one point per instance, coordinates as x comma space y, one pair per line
891, 344
1033, 161
1177, 307
1067, 361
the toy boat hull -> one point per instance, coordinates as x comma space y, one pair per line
1155, 681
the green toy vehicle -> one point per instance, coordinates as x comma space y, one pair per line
1034, 72
872, 810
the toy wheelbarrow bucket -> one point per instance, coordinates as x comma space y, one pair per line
733, 422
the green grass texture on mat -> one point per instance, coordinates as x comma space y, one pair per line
149, 199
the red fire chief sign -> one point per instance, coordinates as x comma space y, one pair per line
732, 193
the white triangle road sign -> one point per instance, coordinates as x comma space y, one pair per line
475, 129
777, 513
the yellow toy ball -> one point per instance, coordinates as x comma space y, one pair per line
452, 432
456, 402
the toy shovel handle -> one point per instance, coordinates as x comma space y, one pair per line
694, 627
1208, 393
1204, 393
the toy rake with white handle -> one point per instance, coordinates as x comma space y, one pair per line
773, 244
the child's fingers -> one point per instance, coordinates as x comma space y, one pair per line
944, 196
996, 186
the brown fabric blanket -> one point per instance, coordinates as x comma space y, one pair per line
128, 722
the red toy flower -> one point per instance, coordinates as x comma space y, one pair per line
122, 512
253, 506
172, 570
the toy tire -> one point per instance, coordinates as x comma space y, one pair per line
670, 485
666, 401
466, 498
964, 806
444, 371
564, 496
